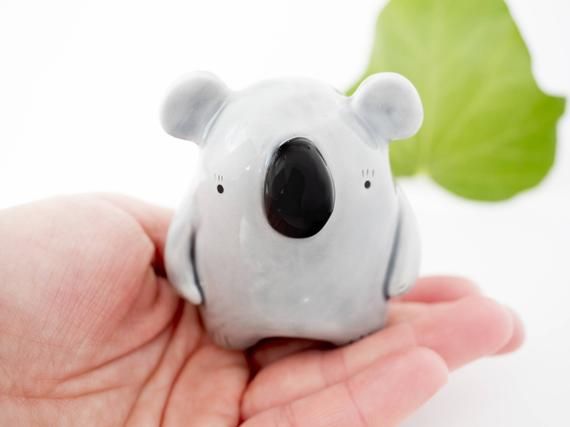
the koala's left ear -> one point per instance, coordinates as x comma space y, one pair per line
390, 106
191, 104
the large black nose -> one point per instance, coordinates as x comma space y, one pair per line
299, 190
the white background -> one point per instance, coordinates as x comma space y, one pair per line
80, 86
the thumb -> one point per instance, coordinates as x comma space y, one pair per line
154, 220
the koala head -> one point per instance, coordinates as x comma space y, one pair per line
293, 148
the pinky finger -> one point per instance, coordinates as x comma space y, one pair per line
381, 395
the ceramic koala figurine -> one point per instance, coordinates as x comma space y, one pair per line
294, 227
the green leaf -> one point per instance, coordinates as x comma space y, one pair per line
489, 132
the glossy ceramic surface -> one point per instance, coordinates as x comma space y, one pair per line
294, 227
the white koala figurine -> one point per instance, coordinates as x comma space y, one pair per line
294, 227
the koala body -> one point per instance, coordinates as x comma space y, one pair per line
294, 226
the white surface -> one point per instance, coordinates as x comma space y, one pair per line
80, 87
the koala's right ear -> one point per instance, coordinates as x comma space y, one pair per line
390, 105
191, 104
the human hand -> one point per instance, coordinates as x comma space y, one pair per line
91, 333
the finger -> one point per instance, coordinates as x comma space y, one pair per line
440, 289
518, 336
429, 289
466, 330
153, 219
382, 395
271, 350
308, 372
460, 332
404, 312
207, 389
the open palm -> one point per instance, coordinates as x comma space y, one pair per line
91, 333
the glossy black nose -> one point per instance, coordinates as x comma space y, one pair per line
299, 191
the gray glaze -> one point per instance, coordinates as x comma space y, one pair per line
251, 281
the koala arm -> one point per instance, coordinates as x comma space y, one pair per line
404, 262
179, 254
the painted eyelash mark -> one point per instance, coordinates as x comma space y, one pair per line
219, 178
367, 173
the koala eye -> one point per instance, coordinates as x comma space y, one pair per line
367, 184
220, 188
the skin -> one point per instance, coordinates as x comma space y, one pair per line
91, 333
